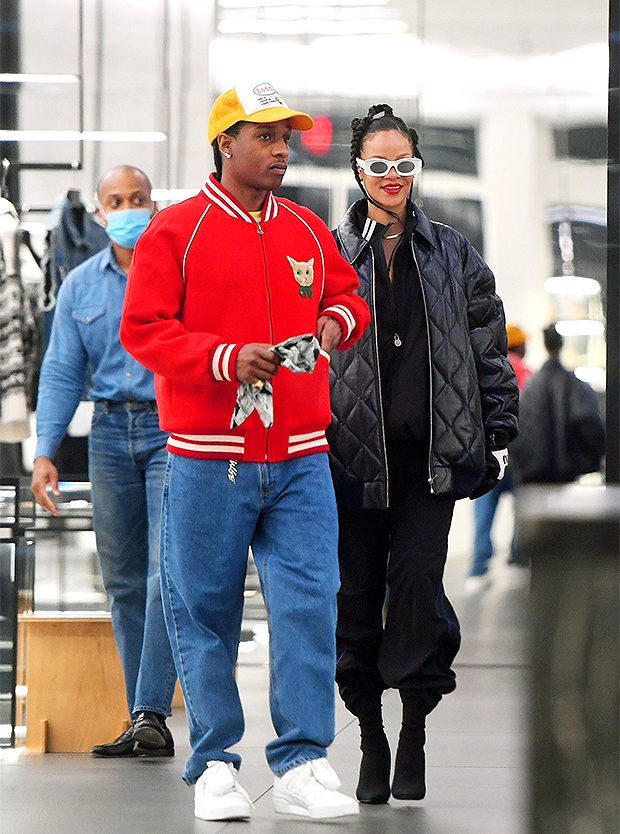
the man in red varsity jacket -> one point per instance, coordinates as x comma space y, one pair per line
217, 284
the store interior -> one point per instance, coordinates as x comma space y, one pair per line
511, 103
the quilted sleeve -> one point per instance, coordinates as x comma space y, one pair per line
499, 394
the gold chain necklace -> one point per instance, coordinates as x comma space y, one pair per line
391, 237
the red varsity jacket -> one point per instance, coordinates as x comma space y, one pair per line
207, 278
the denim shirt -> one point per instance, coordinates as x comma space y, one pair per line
84, 348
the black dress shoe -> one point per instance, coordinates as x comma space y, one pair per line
123, 746
151, 736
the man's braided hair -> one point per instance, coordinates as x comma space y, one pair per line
380, 117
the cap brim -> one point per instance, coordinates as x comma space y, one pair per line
299, 121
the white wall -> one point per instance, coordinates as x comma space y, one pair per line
140, 74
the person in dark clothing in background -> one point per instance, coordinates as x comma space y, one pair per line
423, 406
485, 507
561, 431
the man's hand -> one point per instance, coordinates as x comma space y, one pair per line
44, 472
328, 332
256, 363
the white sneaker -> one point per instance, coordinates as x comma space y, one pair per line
477, 584
517, 576
218, 795
311, 790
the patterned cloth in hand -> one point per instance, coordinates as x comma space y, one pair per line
298, 354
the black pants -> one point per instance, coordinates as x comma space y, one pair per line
401, 550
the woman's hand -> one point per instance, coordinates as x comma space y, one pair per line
328, 332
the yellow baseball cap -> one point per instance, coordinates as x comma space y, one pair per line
516, 336
261, 104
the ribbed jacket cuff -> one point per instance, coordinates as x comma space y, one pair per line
497, 439
223, 362
344, 317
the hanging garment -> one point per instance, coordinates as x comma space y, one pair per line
73, 236
33, 283
14, 422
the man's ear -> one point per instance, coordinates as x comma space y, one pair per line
101, 216
224, 142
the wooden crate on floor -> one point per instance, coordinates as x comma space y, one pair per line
75, 690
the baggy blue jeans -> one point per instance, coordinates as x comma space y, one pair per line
127, 460
213, 511
485, 508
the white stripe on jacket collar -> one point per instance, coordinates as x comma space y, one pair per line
221, 198
369, 227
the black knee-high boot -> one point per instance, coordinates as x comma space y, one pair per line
409, 769
373, 786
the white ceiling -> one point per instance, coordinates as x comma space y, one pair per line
511, 27
517, 28
459, 56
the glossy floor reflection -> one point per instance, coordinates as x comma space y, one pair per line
476, 749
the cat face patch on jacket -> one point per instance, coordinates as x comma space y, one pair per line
303, 272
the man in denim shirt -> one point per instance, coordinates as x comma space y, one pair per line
127, 456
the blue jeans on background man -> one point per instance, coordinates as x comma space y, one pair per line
127, 460
213, 510
484, 514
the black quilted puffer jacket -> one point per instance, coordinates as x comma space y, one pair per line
473, 388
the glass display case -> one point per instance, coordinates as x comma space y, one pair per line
65, 545
17, 519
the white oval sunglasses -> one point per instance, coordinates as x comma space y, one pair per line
377, 167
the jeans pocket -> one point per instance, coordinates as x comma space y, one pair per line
99, 413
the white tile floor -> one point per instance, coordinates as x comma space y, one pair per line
476, 750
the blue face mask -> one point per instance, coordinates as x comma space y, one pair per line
126, 225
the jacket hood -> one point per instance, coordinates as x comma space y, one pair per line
354, 240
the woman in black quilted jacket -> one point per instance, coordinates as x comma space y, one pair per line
423, 408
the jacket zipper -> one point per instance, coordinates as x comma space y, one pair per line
259, 229
431, 477
374, 313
